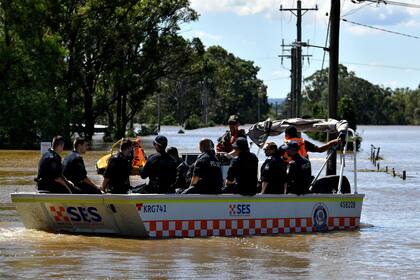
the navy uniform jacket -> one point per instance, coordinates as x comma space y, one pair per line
299, 175
182, 180
273, 171
209, 170
74, 167
244, 170
50, 167
161, 171
118, 172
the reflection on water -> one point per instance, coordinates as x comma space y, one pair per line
386, 246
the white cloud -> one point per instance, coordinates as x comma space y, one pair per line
204, 35
373, 14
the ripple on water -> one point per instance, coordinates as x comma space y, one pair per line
386, 246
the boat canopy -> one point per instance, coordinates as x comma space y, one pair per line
259, 132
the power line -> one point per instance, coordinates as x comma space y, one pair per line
376, 65
355, 10
350, 63
386, 2
381, 29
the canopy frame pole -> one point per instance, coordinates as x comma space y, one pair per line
343, 163
354, 159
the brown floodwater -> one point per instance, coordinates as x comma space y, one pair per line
386, 246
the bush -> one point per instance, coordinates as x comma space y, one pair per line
147, 130
130, 133
169, 120
193, 122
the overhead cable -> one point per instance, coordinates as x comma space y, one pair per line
386, 2
381, 29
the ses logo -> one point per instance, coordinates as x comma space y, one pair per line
239, 209
320, 217
75, 214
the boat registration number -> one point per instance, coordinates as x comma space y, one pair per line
348, 204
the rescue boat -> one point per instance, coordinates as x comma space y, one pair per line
169, 216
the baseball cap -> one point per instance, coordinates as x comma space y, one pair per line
161, 140
241, 143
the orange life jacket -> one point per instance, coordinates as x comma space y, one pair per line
139, 160
302, 150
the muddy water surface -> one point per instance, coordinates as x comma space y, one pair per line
387, 245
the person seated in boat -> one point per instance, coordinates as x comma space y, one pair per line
160, 168
305, 146
50, 171
207, 175
225, 142
74, 168
182, 180
298, 170
117, 173
273, 171
242, 175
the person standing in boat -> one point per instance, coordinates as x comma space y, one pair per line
74, 168
299, 173
117, 173
160, 168
242, 175
291, 134
207, 172
50, 171
225, 142
273, 171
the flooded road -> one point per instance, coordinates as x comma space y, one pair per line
387, 245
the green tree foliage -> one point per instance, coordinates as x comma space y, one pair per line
31, 67
66, 65
214, 85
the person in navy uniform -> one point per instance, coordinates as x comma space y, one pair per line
183, 179
75, 170
298, 170
273, 171
160, 168
242, 176
50, 170
207, 172
117, 173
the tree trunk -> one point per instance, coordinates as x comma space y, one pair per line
89, 118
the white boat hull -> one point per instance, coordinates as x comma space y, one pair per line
163, 216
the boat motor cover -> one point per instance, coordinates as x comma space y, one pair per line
329, 184
259, 132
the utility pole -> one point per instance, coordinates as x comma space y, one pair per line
299, 60
297, 107
333, 76
293, 83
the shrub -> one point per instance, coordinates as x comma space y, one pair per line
193, 122
169, 120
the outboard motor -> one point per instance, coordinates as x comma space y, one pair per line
329, 184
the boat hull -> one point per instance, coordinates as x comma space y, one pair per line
165, 216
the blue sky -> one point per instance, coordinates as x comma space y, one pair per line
254, 29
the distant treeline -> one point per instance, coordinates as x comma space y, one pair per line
66, 65
360, 102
